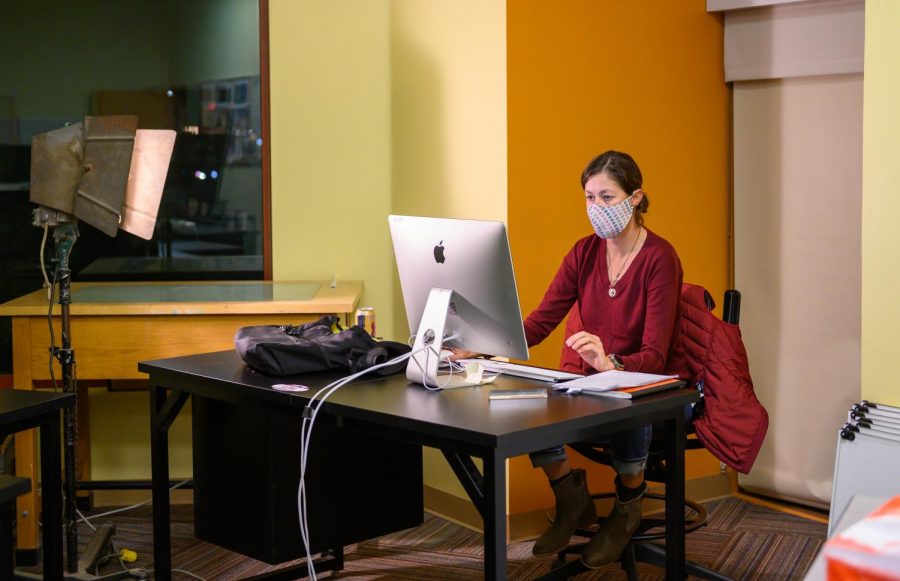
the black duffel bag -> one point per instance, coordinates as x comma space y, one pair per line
318, 346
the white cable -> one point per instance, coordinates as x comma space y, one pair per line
430, 350
306, 436
123, 509
116, 511
86, 520
43, 268
183, 572
188, 573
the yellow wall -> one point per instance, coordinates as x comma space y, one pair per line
448, 122
881, 204
377, 108
381, 107
330, 99
448, 111
585, 76
120, 439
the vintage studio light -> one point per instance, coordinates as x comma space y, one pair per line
110, 174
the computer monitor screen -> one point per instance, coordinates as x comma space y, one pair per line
472, 258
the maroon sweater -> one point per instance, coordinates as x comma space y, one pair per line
641, 324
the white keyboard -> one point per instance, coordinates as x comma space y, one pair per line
526, 371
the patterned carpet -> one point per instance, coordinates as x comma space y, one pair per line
742, 540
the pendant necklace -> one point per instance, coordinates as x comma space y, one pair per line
613, 281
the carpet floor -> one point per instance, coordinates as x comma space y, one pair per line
742, 540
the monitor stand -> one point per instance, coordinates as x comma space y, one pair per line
424, 365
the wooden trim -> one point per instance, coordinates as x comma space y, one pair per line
452, 508
265, 108
818, 512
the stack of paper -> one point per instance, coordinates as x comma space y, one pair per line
617, 383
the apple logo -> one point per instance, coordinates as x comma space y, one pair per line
439, 252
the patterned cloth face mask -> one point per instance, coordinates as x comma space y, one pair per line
610, 221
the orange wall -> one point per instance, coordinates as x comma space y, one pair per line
643, 77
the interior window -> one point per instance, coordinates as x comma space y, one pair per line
188, 65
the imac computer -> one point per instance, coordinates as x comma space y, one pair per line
459, 291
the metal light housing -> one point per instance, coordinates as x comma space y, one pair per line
104, 171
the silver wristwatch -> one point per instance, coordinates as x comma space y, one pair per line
617, 363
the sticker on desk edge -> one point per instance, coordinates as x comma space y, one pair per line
289, 387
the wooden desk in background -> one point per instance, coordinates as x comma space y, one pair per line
115, 325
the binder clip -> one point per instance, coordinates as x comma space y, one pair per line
849, 431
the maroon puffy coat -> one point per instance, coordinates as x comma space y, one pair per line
732, 424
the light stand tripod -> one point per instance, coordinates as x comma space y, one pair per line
65, 234
64, 237
107, 173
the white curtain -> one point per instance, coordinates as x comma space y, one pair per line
797, 213
797, 72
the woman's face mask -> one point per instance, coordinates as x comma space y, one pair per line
610, 221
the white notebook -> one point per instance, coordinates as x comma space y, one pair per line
609, 380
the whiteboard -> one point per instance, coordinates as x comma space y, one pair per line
868, 464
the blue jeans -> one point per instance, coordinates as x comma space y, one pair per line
629, 449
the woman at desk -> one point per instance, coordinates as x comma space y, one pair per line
625, 284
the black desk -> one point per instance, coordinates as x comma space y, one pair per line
460, 422
22, 410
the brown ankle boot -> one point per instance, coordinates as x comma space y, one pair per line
614, 533
574, 508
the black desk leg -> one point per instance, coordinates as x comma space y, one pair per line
163, 411
675, 547
159, 460
7, 541
494, 517
51, 498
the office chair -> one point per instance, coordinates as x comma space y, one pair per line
642, 547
